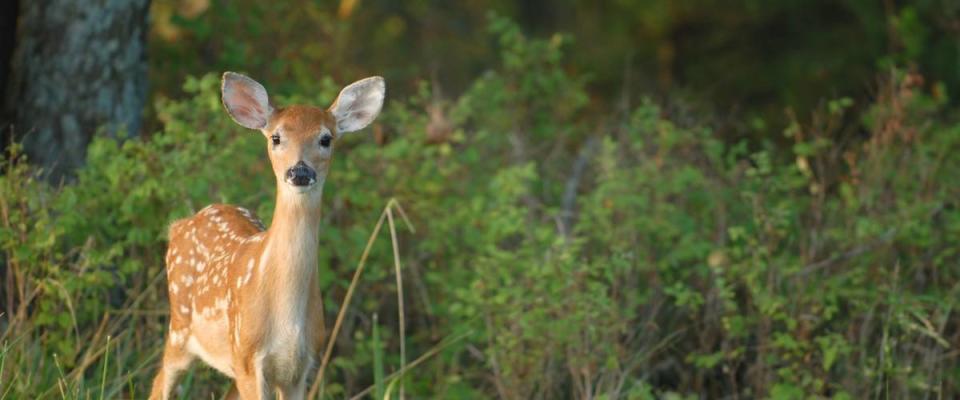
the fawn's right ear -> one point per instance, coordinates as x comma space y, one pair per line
246, 101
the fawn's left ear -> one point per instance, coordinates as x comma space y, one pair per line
358, 104
246, 101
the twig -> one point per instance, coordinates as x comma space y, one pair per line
570, 191
346, 303
117, 326
856, 251
403, 214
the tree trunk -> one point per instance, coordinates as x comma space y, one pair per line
79, 66
8, 31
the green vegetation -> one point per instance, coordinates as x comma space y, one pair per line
571, 250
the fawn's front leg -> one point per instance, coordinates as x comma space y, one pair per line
251, 385
249, 379
297, 391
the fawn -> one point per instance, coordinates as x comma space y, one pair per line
243, 298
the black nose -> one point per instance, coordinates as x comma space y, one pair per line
301, 175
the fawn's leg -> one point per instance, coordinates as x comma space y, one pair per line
250, 388
175, 360
250, 383
297, 391
233, 394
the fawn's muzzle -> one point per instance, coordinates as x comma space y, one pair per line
301, 175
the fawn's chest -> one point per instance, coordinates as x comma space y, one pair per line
288, 278
287, 347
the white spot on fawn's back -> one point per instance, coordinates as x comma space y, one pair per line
249, 274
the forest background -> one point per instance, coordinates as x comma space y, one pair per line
622, 199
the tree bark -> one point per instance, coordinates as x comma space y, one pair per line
8, 31
79, 66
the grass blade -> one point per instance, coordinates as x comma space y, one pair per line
400, 309
103, 373
420, 360
377, 359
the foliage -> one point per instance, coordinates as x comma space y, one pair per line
748, 57
684, 267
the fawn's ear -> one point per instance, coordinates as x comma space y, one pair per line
358, 104
246, 101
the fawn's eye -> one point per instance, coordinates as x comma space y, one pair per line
325, 141
276, 139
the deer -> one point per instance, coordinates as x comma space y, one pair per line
244, 298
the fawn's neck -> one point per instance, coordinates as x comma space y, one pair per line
289, 258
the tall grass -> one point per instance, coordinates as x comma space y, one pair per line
133, 364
